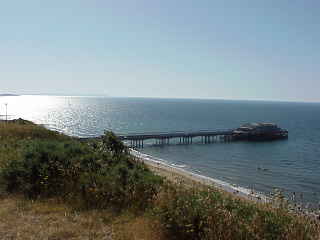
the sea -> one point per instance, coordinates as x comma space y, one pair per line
291, 166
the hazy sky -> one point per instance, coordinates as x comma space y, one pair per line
236, 49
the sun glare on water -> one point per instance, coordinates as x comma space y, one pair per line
27, 106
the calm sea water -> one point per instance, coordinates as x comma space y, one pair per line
292, 165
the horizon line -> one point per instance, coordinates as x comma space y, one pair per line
149, 97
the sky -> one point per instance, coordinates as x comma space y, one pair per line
235, 49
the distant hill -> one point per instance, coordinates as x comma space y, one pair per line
8, 95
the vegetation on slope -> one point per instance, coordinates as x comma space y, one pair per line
51, 168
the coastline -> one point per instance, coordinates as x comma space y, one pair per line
180, 175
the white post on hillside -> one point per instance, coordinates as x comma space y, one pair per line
6, 104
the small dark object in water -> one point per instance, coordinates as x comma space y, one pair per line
262, 169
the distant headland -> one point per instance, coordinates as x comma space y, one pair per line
8, 95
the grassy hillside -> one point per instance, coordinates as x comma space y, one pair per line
56, 187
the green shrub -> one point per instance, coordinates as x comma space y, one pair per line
102, 177
123, 185
112, 144
47, 168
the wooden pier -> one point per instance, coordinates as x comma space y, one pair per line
137, 140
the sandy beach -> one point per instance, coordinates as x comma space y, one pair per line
179, 175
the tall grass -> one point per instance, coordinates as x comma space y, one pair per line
210, 214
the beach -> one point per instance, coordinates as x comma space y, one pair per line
181, 176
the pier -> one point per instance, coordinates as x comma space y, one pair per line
246, 132
136, 140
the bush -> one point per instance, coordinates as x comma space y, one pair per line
112, 144
101, 177
122, 185
47, 168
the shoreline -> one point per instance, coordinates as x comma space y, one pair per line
178, 174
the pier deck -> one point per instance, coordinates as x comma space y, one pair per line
162, 138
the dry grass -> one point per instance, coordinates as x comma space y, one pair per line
139, 228
26, 219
